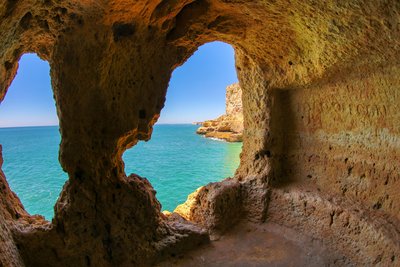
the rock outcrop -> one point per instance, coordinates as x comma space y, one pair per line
207, 206
321, 147
229, 126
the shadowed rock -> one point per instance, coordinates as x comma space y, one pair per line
320, 91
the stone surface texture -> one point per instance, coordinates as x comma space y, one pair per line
320, 88
229, 126
216, 206
256, 245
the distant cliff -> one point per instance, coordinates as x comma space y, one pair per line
229, 126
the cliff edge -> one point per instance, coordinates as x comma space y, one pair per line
229, 126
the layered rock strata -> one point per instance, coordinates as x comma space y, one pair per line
320, 88
229, 126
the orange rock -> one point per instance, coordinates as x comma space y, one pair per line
320, 91
228, 127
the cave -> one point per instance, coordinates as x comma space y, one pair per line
320, 147
197, 92
30, 139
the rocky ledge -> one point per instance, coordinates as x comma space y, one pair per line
320, 87
229, 126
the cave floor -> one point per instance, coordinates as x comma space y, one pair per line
250, 244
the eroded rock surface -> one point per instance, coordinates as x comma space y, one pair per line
257, 245
320, 88
11, 209
216, 206
228, 127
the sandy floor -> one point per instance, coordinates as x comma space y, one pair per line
255, 245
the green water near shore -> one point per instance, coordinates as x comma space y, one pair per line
176, 161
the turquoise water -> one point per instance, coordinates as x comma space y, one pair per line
176, 161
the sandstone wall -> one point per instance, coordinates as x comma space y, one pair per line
320, 148
11, 208
343, 136
233, 101
229, 126
340, 140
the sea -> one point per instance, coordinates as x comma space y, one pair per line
176, 161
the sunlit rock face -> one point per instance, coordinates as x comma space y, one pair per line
11, 210
228, 127
320, 85
216, 206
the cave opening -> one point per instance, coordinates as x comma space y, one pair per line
184, 154
30, 138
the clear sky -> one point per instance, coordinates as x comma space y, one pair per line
29, 100
196, 91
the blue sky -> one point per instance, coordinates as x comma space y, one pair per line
196, 91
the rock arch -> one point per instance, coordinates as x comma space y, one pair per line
110, 66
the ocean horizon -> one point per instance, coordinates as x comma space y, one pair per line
56, 125
176, 161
